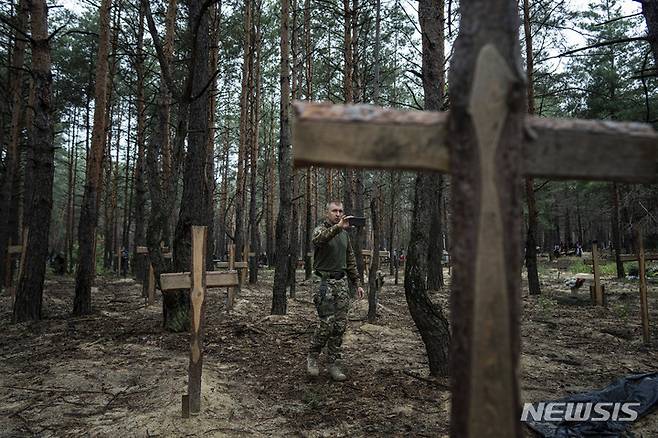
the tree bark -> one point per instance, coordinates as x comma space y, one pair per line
9, 188
86, 270
140, 164
531, 236
254, 236
308, 68
428, 317
246, 99
221, 247
279, 298
650, 12
373, 279
29, 293
616, 232
196, 201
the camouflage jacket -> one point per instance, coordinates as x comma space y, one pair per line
323, 234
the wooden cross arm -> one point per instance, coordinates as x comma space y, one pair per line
634, 257
143, 250
14, 249
371, 137
368, 253
183, 280
236, 265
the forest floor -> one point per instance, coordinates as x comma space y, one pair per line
116, 373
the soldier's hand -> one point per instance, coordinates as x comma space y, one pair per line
344, 222
360, 293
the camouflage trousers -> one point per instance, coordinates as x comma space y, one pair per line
332, 308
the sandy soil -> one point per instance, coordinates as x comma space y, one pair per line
116, 373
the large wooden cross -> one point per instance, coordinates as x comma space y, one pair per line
486, 386
197, 280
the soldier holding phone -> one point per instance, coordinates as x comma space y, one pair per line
334, 263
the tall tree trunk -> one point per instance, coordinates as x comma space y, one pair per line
308, 68
70, 192
616, 232
223, 193
140, 164
279, 298
293, 249
86, 270
245, 139
9, 190
394, 183
271, 173
486, 288
650, 12
373, 280
254, 235
29, 293
127, 194
162, 173
428, 317
196, 201
531, 236
432, 22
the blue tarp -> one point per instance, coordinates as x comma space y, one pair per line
641, 388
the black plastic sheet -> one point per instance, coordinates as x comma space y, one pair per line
641, 388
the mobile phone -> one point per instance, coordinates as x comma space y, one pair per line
357, 221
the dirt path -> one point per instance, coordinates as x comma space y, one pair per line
116, 373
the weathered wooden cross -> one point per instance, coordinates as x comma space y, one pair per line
367, 254
13, 250
197, 280
242, 268
486, 385
641, 258
596, 289
148, 286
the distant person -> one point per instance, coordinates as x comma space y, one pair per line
333, 263
579, 250
125, 255
58, 263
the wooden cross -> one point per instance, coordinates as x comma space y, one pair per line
242, 266
148, 287
597, 291
13, 250
485, 391
367, 254
197, 280
641, 258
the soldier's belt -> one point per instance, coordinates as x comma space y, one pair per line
330, 275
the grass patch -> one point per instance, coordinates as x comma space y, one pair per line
607, 268
578, 266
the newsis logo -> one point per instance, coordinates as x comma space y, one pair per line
580, 411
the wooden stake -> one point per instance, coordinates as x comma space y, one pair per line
8, 270
22, 262
644, 307
598, 291
185, 401
197, 300
231, 266
151, 285
245, 263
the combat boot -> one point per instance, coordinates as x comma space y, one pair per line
312, 365
336, 373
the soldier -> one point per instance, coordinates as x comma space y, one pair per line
333, 262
